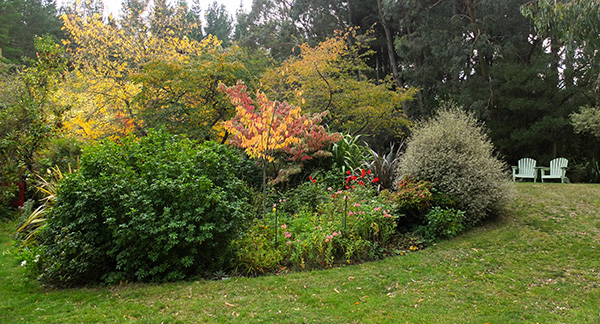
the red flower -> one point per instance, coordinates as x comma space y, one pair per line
348, 172
376, 179
368, 171
362, 173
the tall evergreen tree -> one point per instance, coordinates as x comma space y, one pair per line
218, 22
21, 21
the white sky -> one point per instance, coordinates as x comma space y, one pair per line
114, 6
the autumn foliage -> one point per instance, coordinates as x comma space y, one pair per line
274, 129
332, 75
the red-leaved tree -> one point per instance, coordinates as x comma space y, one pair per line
274, 130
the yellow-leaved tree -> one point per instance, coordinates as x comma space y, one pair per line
332, 77
139, 72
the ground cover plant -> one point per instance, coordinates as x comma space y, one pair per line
537, 264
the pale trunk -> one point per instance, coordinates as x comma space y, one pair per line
390, 46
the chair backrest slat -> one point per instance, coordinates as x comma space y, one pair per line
527, 166
557, 165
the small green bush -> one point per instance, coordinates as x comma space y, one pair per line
452, 151
442, 224
255, 252
412, 197
156, 208
413, 200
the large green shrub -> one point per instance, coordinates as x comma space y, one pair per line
452, 151
151, 209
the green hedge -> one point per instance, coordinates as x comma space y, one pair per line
158, 208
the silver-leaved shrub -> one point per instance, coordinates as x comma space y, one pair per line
452, 151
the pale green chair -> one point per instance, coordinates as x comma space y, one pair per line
557, 170
525, 169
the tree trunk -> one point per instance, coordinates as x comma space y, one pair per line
483, 64
390, 46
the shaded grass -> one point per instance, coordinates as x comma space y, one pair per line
541, 263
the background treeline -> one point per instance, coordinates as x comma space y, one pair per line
525, 68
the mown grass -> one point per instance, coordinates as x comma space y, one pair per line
539, 264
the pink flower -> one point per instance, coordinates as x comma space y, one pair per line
350, 213
288, 242
288, 234
284, 226
329, 189
377, 209
357, 205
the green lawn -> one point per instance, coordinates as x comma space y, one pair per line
541, 264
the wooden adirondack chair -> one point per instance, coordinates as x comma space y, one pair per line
525, 169
558, 170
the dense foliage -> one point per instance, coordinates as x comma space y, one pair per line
29, 117
150, 209
151, 206
319, 227
452, 151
